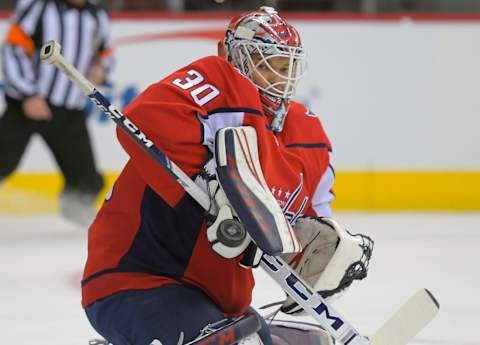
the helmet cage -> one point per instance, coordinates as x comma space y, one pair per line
241, 52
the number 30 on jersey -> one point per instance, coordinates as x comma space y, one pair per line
200, 94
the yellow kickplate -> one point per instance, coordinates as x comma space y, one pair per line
407, 191
355, 190
27, 194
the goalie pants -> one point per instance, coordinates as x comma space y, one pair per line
141, 316
65, 134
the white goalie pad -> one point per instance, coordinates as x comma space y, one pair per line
240, 174
296, 333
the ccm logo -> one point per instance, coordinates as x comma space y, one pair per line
118, 116
303, 292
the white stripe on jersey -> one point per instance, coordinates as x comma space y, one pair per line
18, 72
29, 22
69, 48
216, 121
25, 66
87, 40
323, 194
21, 6
51, 31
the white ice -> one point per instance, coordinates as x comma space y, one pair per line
41, 259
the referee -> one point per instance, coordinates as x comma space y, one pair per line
41, 100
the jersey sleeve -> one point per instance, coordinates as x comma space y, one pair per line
174, 113
309, 133
20, 46
323, 194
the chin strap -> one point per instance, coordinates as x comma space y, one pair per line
276, 108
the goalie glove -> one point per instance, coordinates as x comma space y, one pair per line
331, 260
227, 236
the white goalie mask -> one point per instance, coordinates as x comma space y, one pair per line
269, 52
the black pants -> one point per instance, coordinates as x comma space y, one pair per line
65, 134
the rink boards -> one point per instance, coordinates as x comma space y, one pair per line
397, 97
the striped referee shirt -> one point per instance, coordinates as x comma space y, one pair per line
83, 32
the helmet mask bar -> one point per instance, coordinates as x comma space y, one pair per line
285, 85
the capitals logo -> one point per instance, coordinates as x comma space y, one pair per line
286, 199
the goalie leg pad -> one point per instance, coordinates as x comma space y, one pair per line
294, 333
240, 175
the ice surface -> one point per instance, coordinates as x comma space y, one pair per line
41, 259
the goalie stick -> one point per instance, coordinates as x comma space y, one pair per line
280, 271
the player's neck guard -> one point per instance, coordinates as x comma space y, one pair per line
275, 108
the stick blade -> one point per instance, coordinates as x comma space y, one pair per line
408, 320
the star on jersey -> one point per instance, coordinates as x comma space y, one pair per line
277, 192
286, 202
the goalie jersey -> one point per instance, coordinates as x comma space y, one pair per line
149, 232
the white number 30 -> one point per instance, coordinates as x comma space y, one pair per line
202, 94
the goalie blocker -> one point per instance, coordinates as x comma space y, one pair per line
248, 198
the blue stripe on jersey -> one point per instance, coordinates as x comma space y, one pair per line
100, 273
310, 146
333, 170
165, 241
233, 110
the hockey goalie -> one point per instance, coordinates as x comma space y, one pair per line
160, 269
325, 255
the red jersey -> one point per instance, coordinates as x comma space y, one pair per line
149, 232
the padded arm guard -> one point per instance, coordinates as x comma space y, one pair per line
240, 175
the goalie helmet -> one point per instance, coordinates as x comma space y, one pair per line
253, 43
